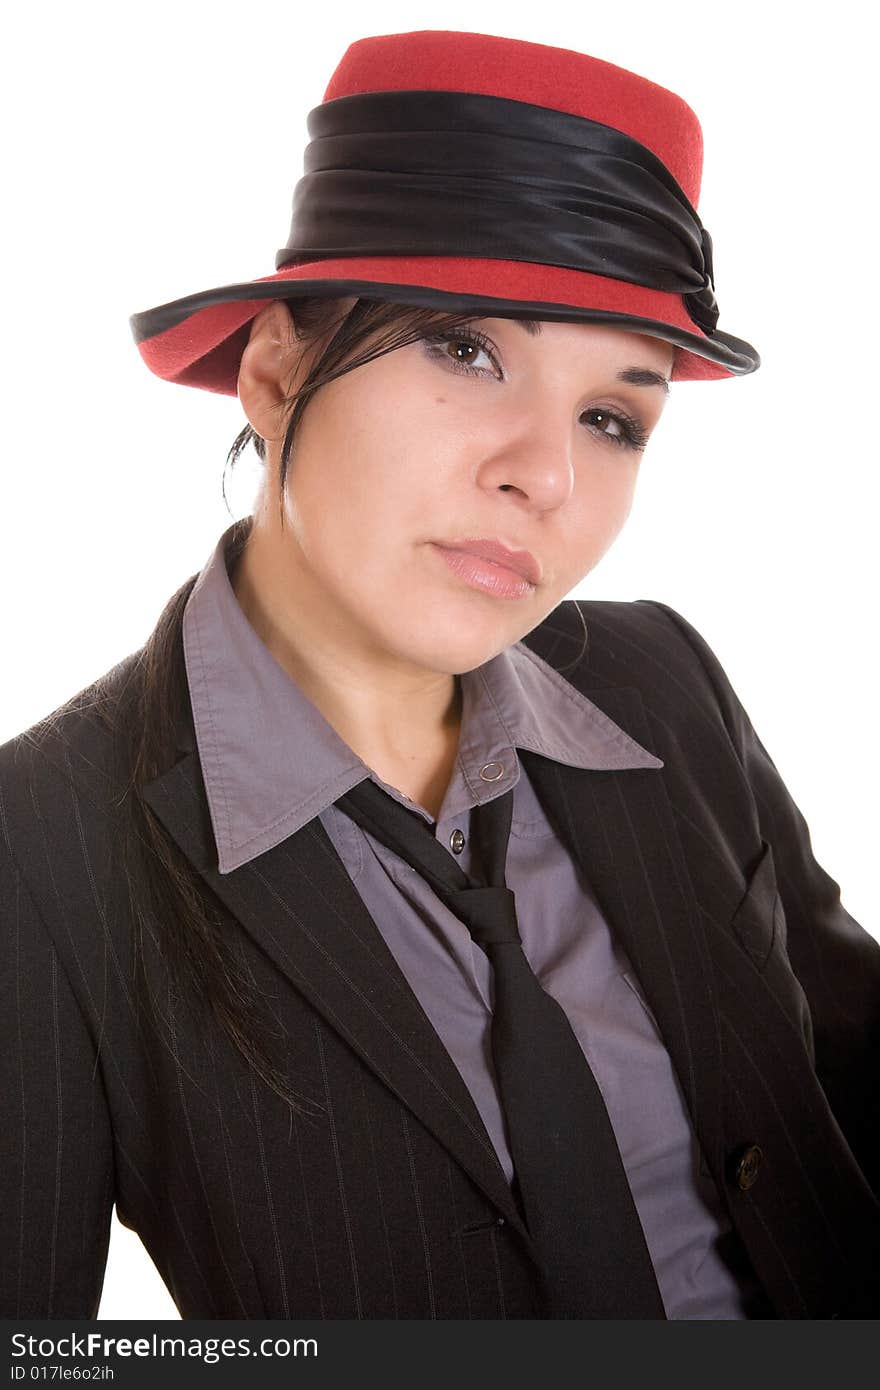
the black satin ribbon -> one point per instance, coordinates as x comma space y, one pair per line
460, 174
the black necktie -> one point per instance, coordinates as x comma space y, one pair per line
572, 1185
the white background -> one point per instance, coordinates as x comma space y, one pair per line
153, 152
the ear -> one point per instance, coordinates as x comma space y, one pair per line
267, 367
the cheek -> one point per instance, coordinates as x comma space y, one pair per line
360, 490
596, 513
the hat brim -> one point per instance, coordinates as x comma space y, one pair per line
198, 340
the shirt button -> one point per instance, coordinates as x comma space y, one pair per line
456, 842
748, 1163
492, 772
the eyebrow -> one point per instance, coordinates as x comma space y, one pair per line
643, 376
635, 376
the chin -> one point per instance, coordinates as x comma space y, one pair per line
451, 637
442, 650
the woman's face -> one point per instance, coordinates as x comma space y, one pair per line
526, 435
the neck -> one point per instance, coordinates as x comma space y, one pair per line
403, 721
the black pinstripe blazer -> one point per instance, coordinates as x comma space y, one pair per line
388, 1200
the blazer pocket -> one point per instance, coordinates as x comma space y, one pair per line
759, 925
759, 920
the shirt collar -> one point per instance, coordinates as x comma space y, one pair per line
271, 761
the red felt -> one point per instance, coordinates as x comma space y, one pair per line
440, 61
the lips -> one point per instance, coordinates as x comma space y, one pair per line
522, 562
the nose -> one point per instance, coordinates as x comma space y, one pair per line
532, 455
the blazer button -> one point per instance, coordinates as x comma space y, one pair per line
748, 1163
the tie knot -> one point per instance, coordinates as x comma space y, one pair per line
488, 913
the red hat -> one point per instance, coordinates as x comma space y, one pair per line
469, 173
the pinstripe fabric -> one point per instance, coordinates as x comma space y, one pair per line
270, 762
386, 1199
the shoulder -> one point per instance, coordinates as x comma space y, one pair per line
643, 643
72, 754
81, 724
607, 646
88, 740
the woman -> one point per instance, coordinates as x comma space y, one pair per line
391, 936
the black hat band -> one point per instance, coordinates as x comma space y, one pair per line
461, 174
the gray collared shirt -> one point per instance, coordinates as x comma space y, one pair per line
271, 763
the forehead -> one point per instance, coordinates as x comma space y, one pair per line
619, 345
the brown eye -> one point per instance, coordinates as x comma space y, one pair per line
606, 422
462, 350
471, 353
614, 427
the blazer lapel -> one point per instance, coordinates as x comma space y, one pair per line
620, 828
300, 906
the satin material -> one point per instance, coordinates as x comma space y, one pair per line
448, 173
